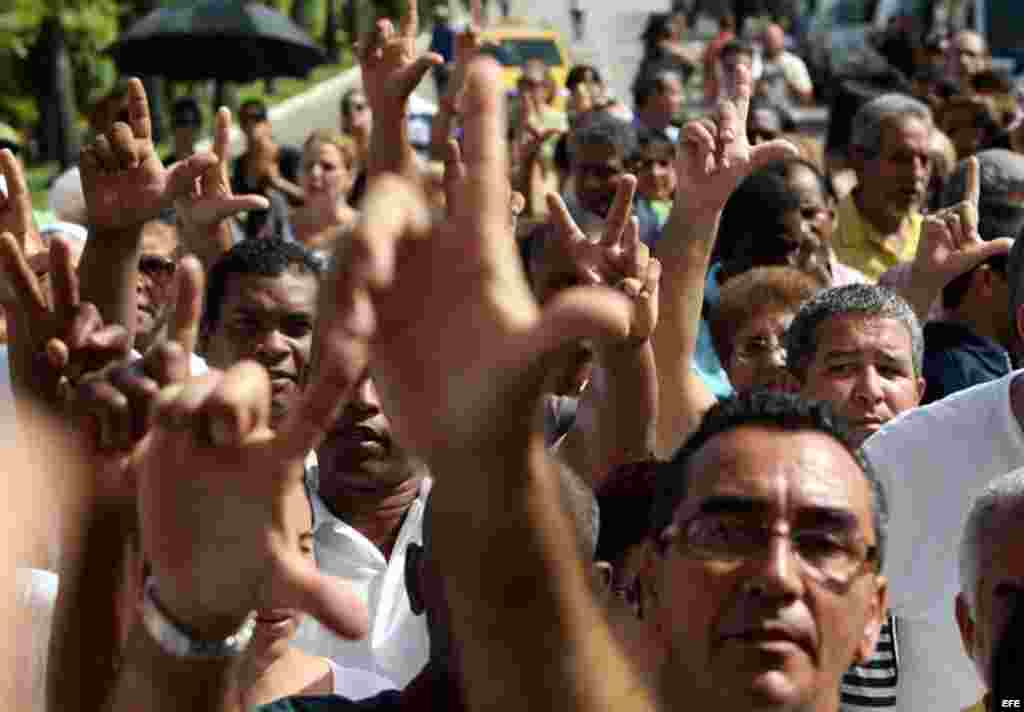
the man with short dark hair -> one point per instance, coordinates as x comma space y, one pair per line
860, 348
766, 570
261, 304
598, 156
265, 165
186, 120
658, 98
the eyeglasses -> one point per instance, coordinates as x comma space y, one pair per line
833, 555
760, 349
159, 269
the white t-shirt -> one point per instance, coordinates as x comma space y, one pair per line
933, 460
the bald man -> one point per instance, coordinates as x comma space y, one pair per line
784, 77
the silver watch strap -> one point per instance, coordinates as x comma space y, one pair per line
174, 641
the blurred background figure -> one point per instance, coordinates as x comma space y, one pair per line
187, 122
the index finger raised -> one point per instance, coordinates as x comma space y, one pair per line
477, 13
973, 193
26, 289
17, 188
411, 19
484, 205
739, 96
621, 209
138, 110
222, 134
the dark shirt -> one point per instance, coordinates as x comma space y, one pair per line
389, 700
956, 358
289, 161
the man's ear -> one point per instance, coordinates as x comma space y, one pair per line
878, 610
413, 567
965, 622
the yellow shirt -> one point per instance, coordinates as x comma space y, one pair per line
859, 245
979, 706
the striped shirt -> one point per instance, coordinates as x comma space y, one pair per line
872, 686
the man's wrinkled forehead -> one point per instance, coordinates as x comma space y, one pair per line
760, 462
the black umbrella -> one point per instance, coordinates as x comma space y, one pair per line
230, 40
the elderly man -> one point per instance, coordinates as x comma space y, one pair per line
880, 221
784, 76
991, 569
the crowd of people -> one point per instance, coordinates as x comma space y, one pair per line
570, 407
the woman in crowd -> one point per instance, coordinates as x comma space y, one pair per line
329, 168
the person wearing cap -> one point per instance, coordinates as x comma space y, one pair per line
970, 346
186, 120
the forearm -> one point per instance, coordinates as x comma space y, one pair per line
109, 273
617, 417
685, 254
210, 243
153, 681
85, 649
530, 632
441, 131
390, 150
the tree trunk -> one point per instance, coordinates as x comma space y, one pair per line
58, 140
331, 32
302, 14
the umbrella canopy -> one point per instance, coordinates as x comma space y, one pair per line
231, 40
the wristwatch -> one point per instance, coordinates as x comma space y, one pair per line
176, 642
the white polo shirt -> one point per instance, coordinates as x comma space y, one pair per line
397, 646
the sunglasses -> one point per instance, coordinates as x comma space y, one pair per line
160, 269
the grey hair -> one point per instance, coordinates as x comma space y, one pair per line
1001, 495
868, 300
870, 119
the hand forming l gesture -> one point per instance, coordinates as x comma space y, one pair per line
391, 70
124, 182
950, 243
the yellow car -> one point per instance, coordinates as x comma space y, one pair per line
515, 43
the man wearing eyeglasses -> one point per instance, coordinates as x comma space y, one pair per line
766, 570
157, 263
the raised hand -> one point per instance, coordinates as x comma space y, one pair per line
114, 406
715, 155
210, 201
950, 244
16, 205
390, 68
53, 344
617, 259
531, 135
217, 491
124, 182
457, 291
